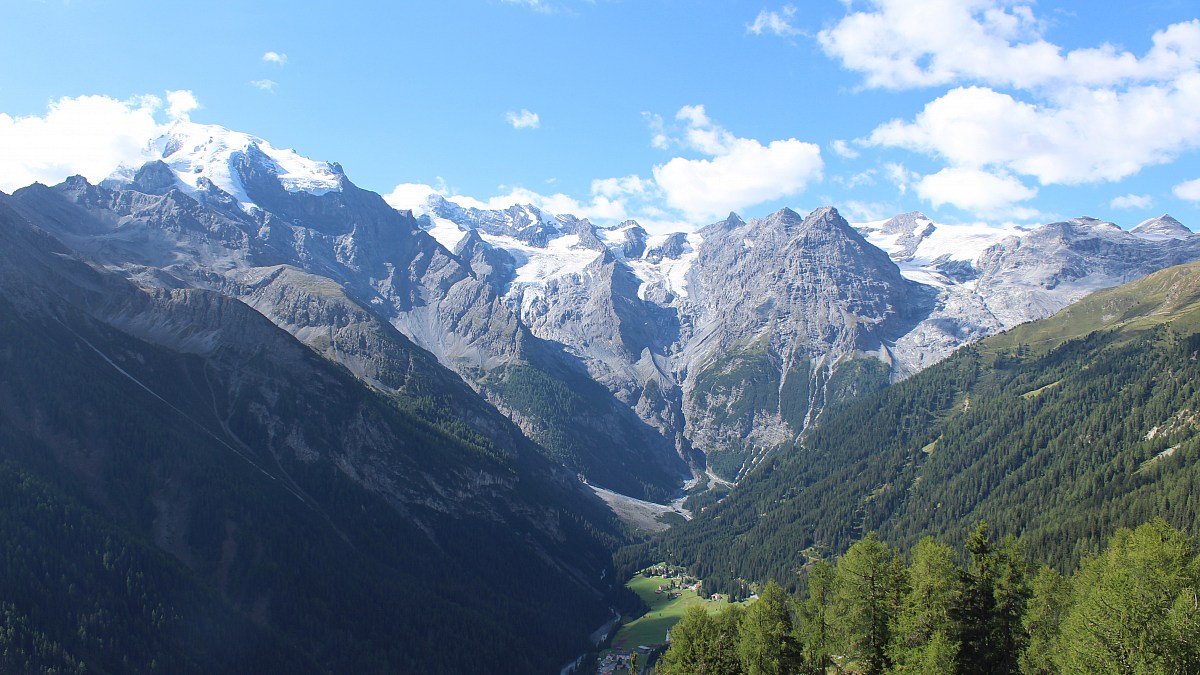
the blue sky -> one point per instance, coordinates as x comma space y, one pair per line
672, 112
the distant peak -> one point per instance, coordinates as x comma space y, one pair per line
193, 152
1164, 227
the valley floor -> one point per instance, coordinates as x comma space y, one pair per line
641, 514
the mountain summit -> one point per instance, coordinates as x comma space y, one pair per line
203, 156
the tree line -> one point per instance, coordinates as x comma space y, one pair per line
986, 608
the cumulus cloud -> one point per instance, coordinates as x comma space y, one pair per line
1087, 136
1189, 190
658, 131
1022, 106
900, 176
85, 135
523, 119
609, 200
616, 187
739, 172
265, 85
899, 44
861, 178
990, 195
842, 149
277, 58
732, 174
776, 23
1131, 202
410, 195
180, 103
866, 212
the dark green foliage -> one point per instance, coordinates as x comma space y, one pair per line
921, 634
816, 629
254, 508
767, 642
853, 379
701, 643
989, 605
867, 587
1132, 609
82, 596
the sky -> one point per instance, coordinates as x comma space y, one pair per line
670, 112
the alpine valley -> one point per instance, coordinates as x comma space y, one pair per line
255, 419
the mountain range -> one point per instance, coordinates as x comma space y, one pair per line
636, 360
235, 359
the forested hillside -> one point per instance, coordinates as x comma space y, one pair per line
1058, 432
1132, 609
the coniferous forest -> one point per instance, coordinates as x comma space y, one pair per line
980, 608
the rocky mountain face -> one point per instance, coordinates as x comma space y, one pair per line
629, 357
355, 279
295, 495
778, 306
733, 339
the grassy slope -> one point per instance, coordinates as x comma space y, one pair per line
651, 628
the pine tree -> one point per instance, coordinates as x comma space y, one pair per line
863, 603
766, 643
992, 599
1050, 598
921, 640
701, 643
816, 629
1135, 607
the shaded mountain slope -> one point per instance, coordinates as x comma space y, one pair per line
250, 482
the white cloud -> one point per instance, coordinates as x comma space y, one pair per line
862, 178
87, 135
180, 103
1189, 190
607, 203
842, 149
1023, 107
536, 5
736, 173
265, 85
523, 119
987, 194
616, 187
777, 23
741, 171
275, 57
901, 177
410, 195
865, 212
900, 44
658, 138
1087, 136
1131, 202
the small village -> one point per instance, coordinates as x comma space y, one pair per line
668, 592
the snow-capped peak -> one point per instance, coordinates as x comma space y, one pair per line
201, 151
1162, 227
